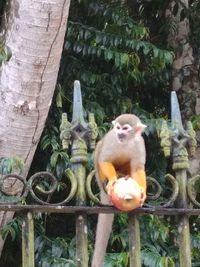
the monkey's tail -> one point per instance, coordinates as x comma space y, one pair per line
104, 228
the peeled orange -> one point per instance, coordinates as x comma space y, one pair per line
126, 194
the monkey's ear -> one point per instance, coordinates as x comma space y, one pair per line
140, 127
114, 122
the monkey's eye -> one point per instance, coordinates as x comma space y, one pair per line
118, 127
125, 128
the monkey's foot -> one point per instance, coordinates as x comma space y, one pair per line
143, 197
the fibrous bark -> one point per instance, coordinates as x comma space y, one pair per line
35, 36
185, 80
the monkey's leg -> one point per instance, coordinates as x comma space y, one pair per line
104, 228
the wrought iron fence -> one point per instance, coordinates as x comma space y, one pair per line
80, 136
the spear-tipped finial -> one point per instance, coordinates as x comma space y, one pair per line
175, 112
77, 115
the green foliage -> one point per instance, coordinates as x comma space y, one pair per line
122, 50
118, 254
3, 4
158, 249
50, 143
12, 229
195, 240
9, 165
116, 259
195, 26
50, 139
152, 258
54, 252
5, 54
110, 52
196, 122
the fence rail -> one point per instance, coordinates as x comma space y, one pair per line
96, 210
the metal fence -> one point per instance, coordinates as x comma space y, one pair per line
80, 136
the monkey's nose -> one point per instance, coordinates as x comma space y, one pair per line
121, 135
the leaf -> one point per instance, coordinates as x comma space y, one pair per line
116, 41
99, 38
155, 51
87, 35
168, 56
59, 100
145, 49
117, 59
68, 45
45, 142
104, 40
8, 53
54, 144
45, 263
108, 54
92, 79
166, 262
54, 159
8, 165
99, 52
79, 48
56, 251
84, 51
124, 59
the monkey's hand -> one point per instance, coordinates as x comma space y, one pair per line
110, 186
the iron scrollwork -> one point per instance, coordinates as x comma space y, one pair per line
41, 187
192, 189
13, 189
77, 136
152, 195
163, 202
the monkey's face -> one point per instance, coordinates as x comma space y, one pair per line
123, 132
127, 126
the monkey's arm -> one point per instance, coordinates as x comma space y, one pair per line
140, 177
107, 171
103, 163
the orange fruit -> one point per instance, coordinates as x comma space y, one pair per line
126, 194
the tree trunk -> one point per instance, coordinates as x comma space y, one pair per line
35, 35
185, 79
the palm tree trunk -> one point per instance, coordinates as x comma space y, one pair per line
35, 35
185, 80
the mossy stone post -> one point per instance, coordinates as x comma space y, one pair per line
28, 258
79, 135
180, 138
177, 140
134, 241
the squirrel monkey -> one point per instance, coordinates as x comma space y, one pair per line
120, 152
